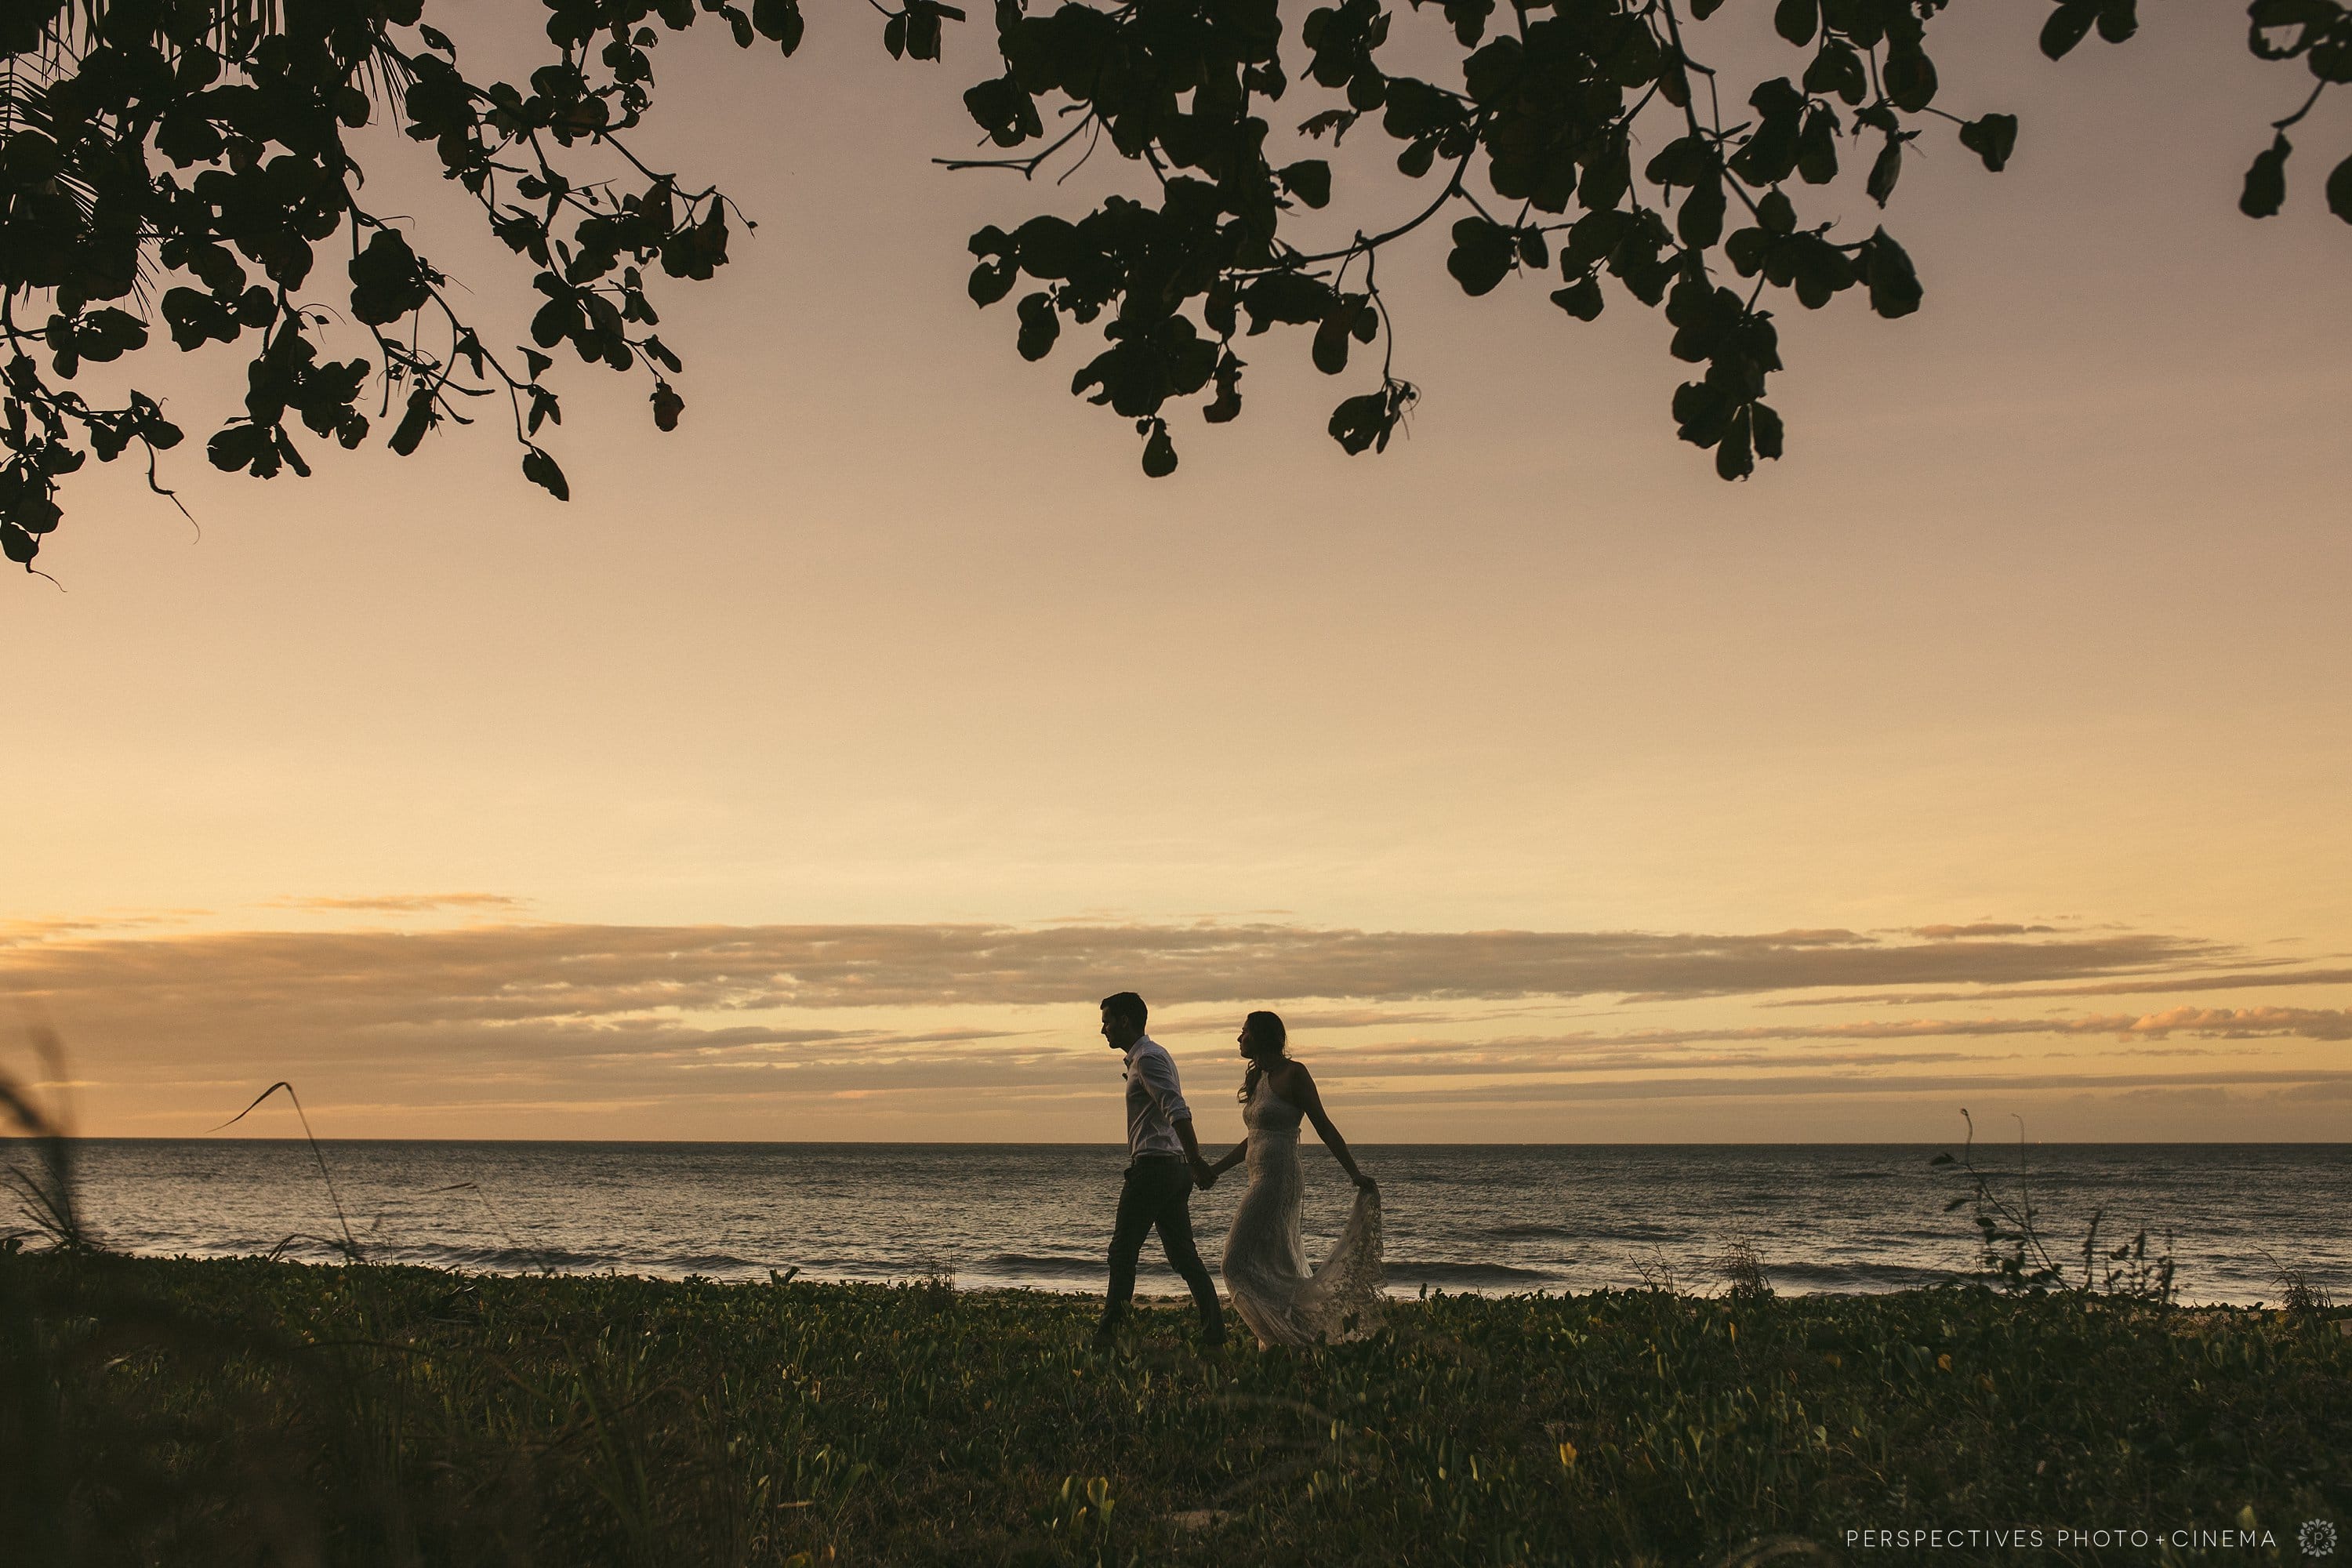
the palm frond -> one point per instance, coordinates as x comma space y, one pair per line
77, 26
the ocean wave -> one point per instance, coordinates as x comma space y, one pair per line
1442, 1271
1635, 1233
705, 1262
1526, 1232
863, 1268
1855, 1276
1051, 1266
494, 1259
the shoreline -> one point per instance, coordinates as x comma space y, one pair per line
331, 1141
1168, 1289
1173, 1296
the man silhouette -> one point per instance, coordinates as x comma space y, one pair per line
1163, 1161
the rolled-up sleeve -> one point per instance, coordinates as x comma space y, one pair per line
1157, 1071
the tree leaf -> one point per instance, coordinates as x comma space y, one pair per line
1228, 405
1894, 284
780, 20
1700, 221
1910, 79
1481, 256
414, 420
1816, 158
387, 279
1701, 413
1330, 352
541, 470
2339, 191
1580, 299
1335, 121
1159, 451
991, 281
2067, 26
1365, 423
1040, 325
1735, 459
1309, 180
1991, 138
1838, 69
1885, 170
2266, 179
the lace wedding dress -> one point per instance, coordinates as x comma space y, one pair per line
1283, 1301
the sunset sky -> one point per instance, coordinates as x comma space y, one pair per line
813, 771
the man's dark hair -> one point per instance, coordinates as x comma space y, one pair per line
1127, 1005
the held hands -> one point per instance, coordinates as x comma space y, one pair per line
1365, 1183
1203, 1177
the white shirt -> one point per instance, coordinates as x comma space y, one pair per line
1154, 1101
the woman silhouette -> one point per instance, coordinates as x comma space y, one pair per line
1278, 1295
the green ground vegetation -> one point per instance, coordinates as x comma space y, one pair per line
183, 1412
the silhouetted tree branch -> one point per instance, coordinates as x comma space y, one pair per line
184, 161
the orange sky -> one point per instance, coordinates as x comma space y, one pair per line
812, 770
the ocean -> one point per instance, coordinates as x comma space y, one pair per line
1493, 1218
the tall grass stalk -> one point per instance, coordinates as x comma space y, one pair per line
348, 1245
2015, 1255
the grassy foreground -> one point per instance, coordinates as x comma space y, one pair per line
251, 1411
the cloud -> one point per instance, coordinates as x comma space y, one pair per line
1484, 1060
1299, 1020
2317, 1082
2242, 1023
2232, 1023
523, 971
26, 932
22, 933
1981, 928
537, 1014
2237, 980
410, 903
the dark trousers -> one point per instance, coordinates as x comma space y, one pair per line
1159, 1194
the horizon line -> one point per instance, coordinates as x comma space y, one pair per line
1068, 1143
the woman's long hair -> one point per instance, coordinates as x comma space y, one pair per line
1266, 1029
